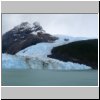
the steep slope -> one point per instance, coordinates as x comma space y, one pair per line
24, 35
83, 52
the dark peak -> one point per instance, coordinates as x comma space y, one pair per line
24, 35
35, 24
27, 27
24, 23
37, 27
24, 26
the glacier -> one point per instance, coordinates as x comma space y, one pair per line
13, 62
35, 57
43, 49
19, 62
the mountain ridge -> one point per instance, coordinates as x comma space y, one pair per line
22, 36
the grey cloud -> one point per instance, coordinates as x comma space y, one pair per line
82, 25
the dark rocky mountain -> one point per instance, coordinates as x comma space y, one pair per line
24, 35
83, 52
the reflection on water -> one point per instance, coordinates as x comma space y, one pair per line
29, 77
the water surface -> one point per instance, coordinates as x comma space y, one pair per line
30, 77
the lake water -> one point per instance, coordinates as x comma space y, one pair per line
30, 77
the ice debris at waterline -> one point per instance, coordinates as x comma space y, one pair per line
19, 62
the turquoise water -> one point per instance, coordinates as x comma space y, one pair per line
30, 77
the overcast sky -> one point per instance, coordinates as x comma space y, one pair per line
81, 25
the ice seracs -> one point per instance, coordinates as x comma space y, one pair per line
13, 62
19, 62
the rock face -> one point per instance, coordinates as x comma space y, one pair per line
83, 52
24, 35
